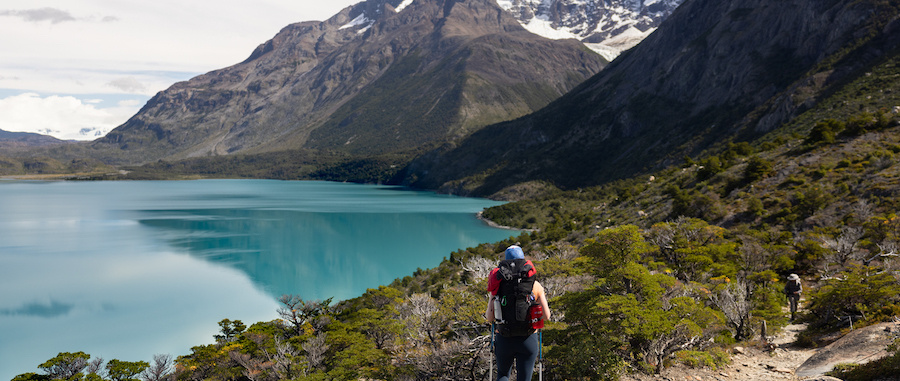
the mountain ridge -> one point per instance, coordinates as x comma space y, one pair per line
26, 139
712, 72
292, 85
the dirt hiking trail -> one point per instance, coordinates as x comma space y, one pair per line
782, 360
777, 362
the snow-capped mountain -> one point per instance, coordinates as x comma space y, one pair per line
606, 26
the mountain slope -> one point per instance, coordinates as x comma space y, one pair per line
713, 71
374, 78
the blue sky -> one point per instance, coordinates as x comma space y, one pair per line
76, 69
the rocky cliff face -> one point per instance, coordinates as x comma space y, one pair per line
380, 76
714, 71
607, 26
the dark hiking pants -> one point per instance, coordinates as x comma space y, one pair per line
523, 349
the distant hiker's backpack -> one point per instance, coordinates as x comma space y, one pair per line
514, 297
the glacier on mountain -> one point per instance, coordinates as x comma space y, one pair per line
606, 26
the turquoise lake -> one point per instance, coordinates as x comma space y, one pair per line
129, 269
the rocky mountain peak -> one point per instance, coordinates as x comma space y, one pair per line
379, 76
607, 26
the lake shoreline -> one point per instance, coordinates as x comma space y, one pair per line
480, 216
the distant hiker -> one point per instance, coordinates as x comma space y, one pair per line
792, 289
519, 307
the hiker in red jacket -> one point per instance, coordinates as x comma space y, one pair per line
521, 345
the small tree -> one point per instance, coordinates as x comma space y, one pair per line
66, 365
634, 314
613, 248
299, 313
315, 349
160, 369
859, 291
824, 131
733, 299
119, 370
757, 168
844, 247
421, 315
230, 330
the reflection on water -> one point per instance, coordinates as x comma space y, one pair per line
318, 255
130, 269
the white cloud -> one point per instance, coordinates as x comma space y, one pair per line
128, 85
131, 103
53, 15
88, 49
64, 117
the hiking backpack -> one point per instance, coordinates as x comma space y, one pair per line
514, 297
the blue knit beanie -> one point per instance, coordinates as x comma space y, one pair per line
514, 252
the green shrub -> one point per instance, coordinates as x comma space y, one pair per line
865, 122
844, 367
819, 173
695, 359
859, 291
895, 148
709, 167
809, 201
757, 168
755, 207
824, 132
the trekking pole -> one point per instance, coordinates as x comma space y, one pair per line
491, 369
540, 355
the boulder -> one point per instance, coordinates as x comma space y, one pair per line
860, 346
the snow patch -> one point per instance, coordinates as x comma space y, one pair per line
629, 38
607, 52
544, 28
612, 47
358, 21
615, 21
403, 5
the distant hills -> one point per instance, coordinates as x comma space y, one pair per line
714, 72
26, 139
